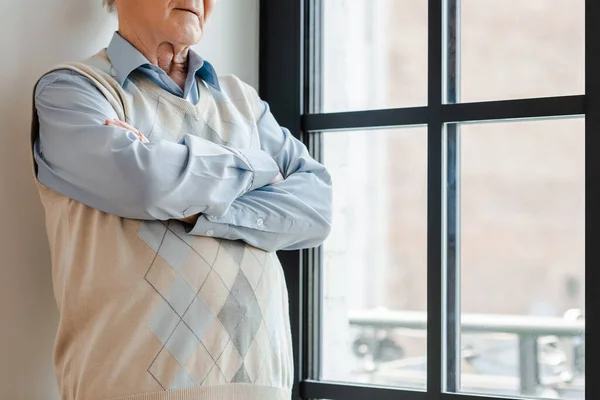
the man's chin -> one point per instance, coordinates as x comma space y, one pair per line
187, 37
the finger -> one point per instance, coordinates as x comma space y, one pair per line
115, 123
120, 124
126, 126
141, 137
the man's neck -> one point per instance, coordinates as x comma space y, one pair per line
173, 59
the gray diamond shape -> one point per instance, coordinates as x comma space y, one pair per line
242, 290
235, 248
252, 317
241, 376
244, 335
231, 314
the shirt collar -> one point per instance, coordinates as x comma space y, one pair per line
203, 69
125, 59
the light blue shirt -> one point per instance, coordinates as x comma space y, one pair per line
79, 157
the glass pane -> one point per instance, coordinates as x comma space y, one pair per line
375, 261
374, 54
519, 49
522, 219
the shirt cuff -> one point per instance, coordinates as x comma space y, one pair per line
204, 227
263, 166
242, 218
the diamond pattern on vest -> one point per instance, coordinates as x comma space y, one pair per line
217, 318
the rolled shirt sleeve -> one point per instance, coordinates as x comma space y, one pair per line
292, 214
109, 169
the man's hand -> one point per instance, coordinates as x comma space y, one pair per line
125, 125
190, 220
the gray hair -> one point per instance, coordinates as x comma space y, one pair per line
109, 4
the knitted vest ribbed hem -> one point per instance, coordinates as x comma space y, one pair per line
234, 391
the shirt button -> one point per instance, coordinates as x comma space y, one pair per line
210, 232
259, 222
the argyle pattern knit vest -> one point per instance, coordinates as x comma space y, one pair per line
147, 311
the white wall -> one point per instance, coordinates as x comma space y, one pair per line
36, 35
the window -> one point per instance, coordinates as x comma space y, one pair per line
461, 136
375, 260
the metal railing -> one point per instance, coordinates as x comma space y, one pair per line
529, 330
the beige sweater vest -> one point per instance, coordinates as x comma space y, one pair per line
148, 312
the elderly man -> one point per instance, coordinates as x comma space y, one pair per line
167, 191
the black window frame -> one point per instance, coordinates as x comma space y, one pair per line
287, 73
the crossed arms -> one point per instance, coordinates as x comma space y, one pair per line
230, 191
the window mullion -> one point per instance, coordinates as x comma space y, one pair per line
452, 348
592, 189
435, 321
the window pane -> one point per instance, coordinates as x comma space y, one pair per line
518, 49
374, 54
522, 258
375, 261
